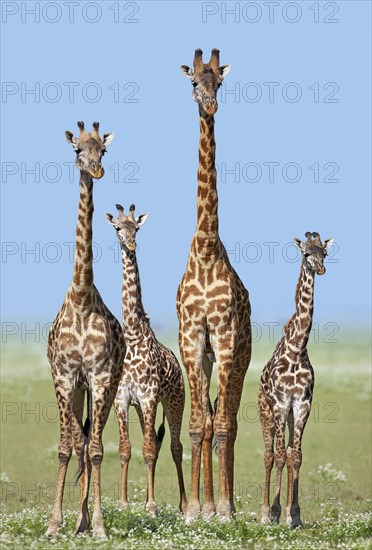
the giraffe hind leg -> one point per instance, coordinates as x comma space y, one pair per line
80, 435
173, 409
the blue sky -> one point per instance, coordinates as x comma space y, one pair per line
293, 147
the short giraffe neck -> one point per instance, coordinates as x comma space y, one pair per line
299, 327
207, 237
133, 311
82, 280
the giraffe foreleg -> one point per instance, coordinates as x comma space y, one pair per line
222, 426
150, 451
268, 433
288, 505
192, 348
280, 457
102, 398
301, 415
125, 449
64, 399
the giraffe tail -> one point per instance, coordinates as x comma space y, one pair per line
161, 432
86, 430
214, 442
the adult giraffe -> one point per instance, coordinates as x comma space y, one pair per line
86, 350
214, 314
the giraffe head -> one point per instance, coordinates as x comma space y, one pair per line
126, 226
314, 252
89, 149
206, 79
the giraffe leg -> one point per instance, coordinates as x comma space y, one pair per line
288, 505
241, 364
300, 418
125, 450
268, 432
280, 459
150, 452
173, 408
192, 360
102, 398
64, 455
83, 520
222, 425
208, 504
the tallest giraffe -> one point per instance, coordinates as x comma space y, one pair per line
214, 314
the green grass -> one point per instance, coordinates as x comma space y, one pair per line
335, 479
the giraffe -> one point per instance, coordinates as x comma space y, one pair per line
86, 350
214, 315
151, 372
286, 387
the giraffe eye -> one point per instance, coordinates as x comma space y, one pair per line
194, 83
306, 254
77, 150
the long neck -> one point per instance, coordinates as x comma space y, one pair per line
82, 280
133, 312
299, 327
207, 237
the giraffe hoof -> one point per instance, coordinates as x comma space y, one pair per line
52, 530
193, 512
224, 511
296, 523
99, 533
123, 504
151, 507
209, 509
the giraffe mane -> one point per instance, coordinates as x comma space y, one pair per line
297, 296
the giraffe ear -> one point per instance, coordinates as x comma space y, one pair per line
299, 244
141, 219
328, 243
110, 218
71, 139
107, 138
187, 71
224, 70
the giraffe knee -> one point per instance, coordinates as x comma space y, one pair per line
64, 456
149, 451
125, 456
197, 434
95, 451
296, 459
268, 459
176, 450
280, 458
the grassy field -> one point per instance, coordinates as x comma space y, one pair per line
335, 479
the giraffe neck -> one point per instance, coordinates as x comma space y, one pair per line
299, 327
133, 311
207, 237
82, 280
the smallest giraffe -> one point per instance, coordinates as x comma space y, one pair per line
151, 372
286, 388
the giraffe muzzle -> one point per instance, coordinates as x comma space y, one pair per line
321, 271
210, 106
131, 246
96, 170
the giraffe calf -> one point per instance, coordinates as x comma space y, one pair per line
286, 388
151, 372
